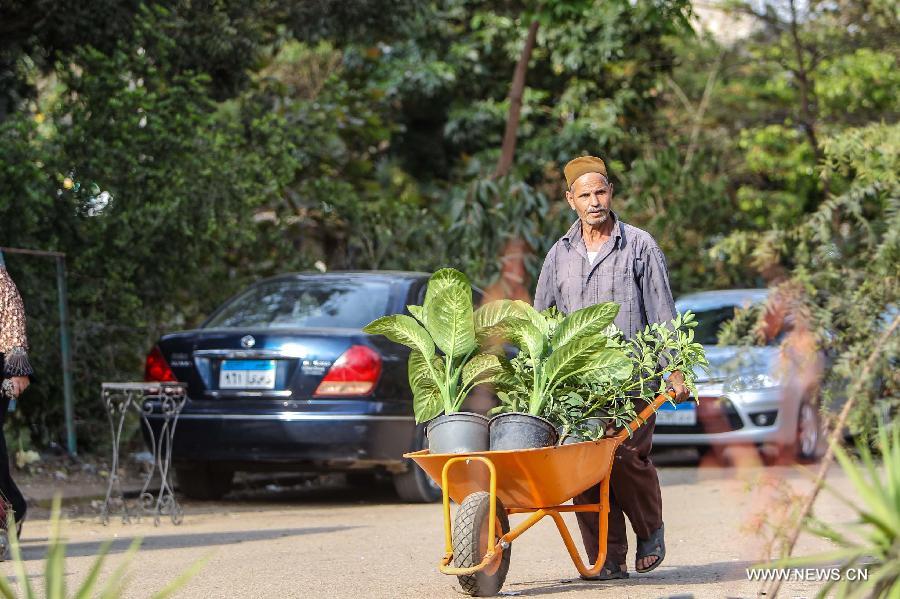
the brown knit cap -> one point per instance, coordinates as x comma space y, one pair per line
581, 165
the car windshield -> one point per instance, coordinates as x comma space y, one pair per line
709, 324
306, 303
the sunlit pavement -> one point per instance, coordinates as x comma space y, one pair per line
302, 541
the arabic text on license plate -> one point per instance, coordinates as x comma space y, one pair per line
247, 374
684, 414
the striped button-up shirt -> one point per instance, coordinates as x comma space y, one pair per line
629, 269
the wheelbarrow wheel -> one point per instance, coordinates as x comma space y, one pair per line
470, 544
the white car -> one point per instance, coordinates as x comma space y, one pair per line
749, 397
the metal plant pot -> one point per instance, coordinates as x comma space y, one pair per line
461, 432
514, 430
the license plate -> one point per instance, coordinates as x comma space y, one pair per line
247, 374
684, 414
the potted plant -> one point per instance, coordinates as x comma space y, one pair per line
556, 355
444, 362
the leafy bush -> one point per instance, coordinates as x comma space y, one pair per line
841, 266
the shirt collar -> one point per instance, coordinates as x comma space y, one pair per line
573, 235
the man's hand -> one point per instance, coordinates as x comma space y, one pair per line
676, 383
19, 384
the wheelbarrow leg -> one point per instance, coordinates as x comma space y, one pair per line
603, 512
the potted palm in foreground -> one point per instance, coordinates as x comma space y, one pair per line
445, 363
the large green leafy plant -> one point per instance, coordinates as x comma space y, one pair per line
444, 364
652, 354
555, 352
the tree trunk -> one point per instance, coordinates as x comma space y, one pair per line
513, 277
807, 116
516, 91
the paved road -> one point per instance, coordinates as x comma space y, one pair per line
333, 543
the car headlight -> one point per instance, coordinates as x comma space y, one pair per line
751, 382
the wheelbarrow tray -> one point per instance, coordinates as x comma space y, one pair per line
526, 478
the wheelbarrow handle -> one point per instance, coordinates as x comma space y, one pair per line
651, 409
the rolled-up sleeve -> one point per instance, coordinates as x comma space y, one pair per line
545, 294
659, 305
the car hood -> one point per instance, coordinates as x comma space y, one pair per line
726, 362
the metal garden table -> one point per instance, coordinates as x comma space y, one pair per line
163, 401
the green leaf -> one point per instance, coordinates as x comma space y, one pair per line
533, 316
523, 334
571, 359
493, 312
115, 584
878, 504
6, 590
481, 369
401, 328
506, 379
183, 578
86, 590
450, 322
16, 550
608, 366
418, 312
442, 279
55, 566
592, 320
427, 399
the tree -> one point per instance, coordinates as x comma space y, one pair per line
143, 183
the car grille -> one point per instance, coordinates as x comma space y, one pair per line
714, 415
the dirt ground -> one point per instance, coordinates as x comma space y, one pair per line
272, 540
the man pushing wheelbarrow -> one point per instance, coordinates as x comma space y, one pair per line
602, 340
602, 259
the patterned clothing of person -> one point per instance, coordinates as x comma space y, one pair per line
13, 363
13, 341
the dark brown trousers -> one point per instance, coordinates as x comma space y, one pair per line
634, 492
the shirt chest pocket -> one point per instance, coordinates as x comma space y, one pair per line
612, 284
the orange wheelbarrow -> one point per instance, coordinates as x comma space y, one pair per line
490, 485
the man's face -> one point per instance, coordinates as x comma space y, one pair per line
591, 197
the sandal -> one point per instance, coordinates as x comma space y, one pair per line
655, 546
610, 571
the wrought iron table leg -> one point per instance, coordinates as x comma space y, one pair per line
166, 502
118, 400
116, 407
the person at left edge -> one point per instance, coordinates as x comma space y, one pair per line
15, 372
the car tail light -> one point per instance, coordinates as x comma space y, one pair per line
354, 373
156, 369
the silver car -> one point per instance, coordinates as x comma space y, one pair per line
749, 397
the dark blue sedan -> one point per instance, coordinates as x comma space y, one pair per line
281, 377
